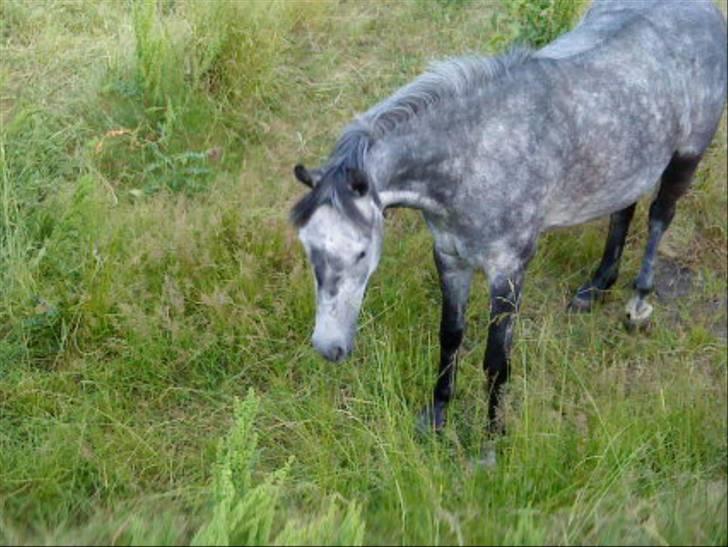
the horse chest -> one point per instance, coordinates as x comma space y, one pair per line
449, 242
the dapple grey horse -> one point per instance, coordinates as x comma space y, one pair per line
494, 151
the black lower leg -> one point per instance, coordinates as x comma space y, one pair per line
451, 335
657, 225
608, 269
455, 286
675, 182
503, 307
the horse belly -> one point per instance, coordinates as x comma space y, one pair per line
624, 138
607, 198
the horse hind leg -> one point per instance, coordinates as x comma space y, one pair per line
675, 182
608, 270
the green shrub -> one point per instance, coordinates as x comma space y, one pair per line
534, 22
202, 73
227, 50
243, 513
159, 55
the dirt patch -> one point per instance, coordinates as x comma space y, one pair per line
716, 310
675, 282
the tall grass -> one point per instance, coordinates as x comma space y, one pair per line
533, 23
149, 280
225, 50
202, 82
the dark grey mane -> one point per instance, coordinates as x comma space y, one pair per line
448, 79
333, 186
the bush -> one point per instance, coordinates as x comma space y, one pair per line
534, 23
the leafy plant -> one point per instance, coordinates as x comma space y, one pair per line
534, 22
244, 512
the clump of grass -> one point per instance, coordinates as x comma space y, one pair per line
243, 513
203, 83
227, 49
237, 48
332, 526
159, 55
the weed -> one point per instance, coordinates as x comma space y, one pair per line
243, 513
534, 23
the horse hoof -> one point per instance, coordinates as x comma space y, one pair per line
638, 315
431, 419
644, 326
580, 304
585, 298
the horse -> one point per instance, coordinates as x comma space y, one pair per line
496, 150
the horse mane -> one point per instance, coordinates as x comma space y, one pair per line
449, 79
332, 188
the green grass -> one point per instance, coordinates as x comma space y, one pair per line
150, 281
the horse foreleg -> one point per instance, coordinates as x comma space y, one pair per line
455, 285
505, 295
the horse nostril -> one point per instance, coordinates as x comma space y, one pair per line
337, 353
331, 351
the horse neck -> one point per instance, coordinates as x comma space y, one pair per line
406, 168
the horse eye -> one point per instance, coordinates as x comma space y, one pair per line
361, 255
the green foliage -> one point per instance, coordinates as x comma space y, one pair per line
200, 71
329, 528
227, 49
159, 60
237, 47
534, 22
243, 513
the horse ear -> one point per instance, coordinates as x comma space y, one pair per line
302, 174
359, 183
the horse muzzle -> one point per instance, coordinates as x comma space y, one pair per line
332, 350
334, 332
334, 345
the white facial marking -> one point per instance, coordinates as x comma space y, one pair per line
343, 255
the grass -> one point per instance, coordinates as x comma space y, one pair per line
155, 373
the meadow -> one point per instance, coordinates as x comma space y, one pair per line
157, 384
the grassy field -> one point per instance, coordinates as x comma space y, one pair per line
156, 380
